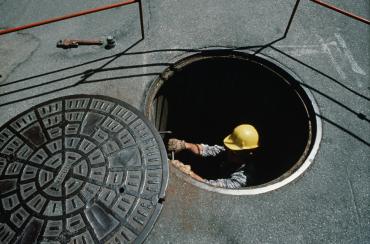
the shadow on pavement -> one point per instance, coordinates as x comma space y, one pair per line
90, 72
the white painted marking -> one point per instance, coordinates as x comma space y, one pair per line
338, 53
301, 50
325, 47
298, 46
355, 67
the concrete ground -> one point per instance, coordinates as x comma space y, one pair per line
328, 51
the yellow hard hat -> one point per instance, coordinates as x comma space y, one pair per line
243, 137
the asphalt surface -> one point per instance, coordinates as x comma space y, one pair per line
328, 51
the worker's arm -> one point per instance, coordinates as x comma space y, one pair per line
194, 148
187, 170
237, 180
177, 145
198, 149
197, 177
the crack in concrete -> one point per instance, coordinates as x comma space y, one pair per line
12, 67
150, 16
353, 198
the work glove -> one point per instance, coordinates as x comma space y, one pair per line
184, 168
176, 145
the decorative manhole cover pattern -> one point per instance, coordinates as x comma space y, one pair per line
80, 169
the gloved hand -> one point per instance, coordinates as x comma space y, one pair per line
176, 145
184, 168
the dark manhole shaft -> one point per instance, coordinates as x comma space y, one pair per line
80, 169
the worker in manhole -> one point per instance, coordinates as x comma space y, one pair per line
237, 151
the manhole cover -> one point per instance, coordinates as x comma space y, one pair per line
80, 169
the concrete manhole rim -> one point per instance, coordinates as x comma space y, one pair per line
131, 130
188, 58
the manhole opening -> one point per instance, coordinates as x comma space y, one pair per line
203, 97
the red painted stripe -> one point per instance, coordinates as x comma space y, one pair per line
67, 16
349, 14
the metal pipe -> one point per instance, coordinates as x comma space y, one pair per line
344, 12
67, 16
